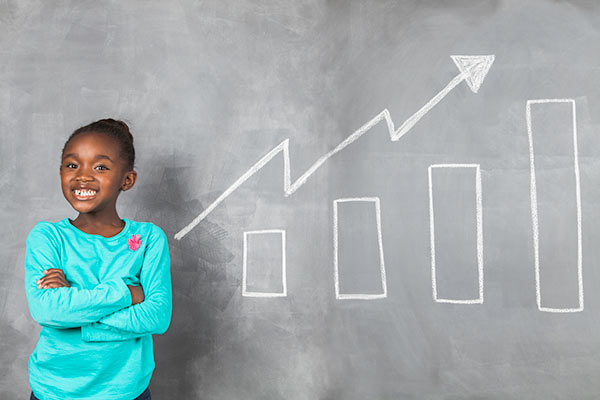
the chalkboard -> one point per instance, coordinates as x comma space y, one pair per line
363, 199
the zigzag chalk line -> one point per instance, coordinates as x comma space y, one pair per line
473, 69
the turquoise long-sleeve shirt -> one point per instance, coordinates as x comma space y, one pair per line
94, 344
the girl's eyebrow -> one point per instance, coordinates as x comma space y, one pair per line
102, 156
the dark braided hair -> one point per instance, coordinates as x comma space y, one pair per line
115, 129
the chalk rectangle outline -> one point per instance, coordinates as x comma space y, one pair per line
479, 218
247, 293
358, 296
534, 210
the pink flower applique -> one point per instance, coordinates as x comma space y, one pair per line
134, 242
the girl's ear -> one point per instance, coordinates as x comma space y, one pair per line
129, 180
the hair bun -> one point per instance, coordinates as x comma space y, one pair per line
119, 125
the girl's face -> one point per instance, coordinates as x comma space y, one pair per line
92, 173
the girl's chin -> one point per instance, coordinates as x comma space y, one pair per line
82, 207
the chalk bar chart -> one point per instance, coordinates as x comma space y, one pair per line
472, 70
555, 209
455, 222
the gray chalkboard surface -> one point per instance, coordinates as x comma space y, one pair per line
363, 199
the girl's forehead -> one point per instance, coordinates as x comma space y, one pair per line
91, 143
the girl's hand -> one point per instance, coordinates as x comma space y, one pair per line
137, 294
54, 278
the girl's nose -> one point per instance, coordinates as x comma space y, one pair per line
83, 176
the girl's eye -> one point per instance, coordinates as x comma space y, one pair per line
69, 165
102, 166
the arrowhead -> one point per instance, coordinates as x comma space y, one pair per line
475, 68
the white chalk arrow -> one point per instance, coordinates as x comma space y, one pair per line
475, 67
473, 70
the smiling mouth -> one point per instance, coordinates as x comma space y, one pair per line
84, 194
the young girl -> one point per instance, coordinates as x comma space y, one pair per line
99, 285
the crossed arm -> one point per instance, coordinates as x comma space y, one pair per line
108, 311
55, 278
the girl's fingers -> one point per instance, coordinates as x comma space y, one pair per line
53, 271
52, 281
53, 278
44, 282
51, 275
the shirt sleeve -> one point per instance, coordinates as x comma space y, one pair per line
153, 315
65, 307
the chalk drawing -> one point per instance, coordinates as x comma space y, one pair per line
358, 296
479, 66
534, 207
473, 69
247, 293
479, 244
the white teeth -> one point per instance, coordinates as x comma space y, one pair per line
84, 192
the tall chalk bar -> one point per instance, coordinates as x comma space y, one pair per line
455, 223
357, 225
264, 265
555, 204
